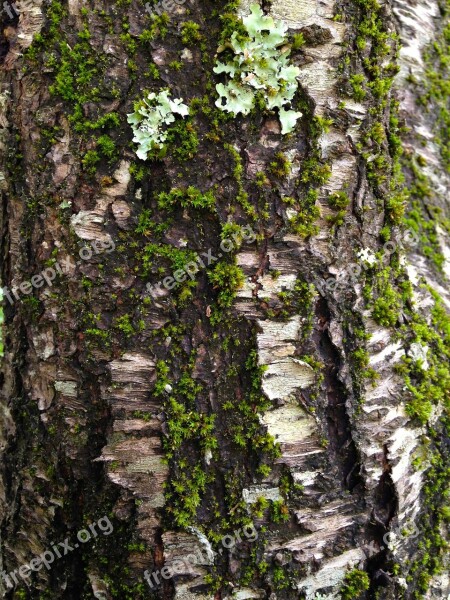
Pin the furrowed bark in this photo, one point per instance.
(278, 429)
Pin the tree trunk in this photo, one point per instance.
(274, 422)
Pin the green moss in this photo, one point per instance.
(100, 337)
(242, 423)
(361, 358)
(429, 386)
(231, 23)
(387, 306)
(298, 41)
(177, 257)
(190, 197)
(338, 219)
(158, 28)
(125, 325)
(357, 83)
(303, 223)
(279, 578)
(90, 161)
(176, 65)
(184, 424)
(281, 166)
(423, 216)
(355, 583)
(153, 72)
(187, 428)
(314, 171)
(279, 512)
(228, 278)
(190, 33)
(238, 173)
(299, 301)
(338, 200)
(182, 140)
(106, 146)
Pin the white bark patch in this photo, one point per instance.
(269, 285)
(331, 574)
(246, 594)
(44, 343)
(188, 554)
(305, 478)
(296, 432)
(137, 464)
(286, 376)
(67, 388)
(393, 352)
(418, 28)
(402, 448)
(252, 494)
(276, 345)
(61, 156)
(89, 224)
(289, 424)
(131, 367)
(134, 454)
(321, 527)
(275, 335)
(31, 21)
(122, 212)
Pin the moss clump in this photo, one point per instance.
(189, 197)
(125, 325)
(387, 306)
(228, 278)
(190, 33)
(338, 200)
(238, 173)
(158, 28)
(298, 41)
(355, 583)
(178, 257)
(281, 166)
(302, 223)
(357, 84)
(379, 291)
(182, 140)
(279, 512)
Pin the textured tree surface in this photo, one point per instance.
(298, 385)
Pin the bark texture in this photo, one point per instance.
(291, 399)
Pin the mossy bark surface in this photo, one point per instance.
(293, 393)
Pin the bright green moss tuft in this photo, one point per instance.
(355, 583)
(228, 278)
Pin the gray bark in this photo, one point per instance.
(85, 425)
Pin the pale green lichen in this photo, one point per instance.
(260, 66)
(150, 117)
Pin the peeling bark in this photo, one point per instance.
(185, 420)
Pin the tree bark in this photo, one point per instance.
(302, 411)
